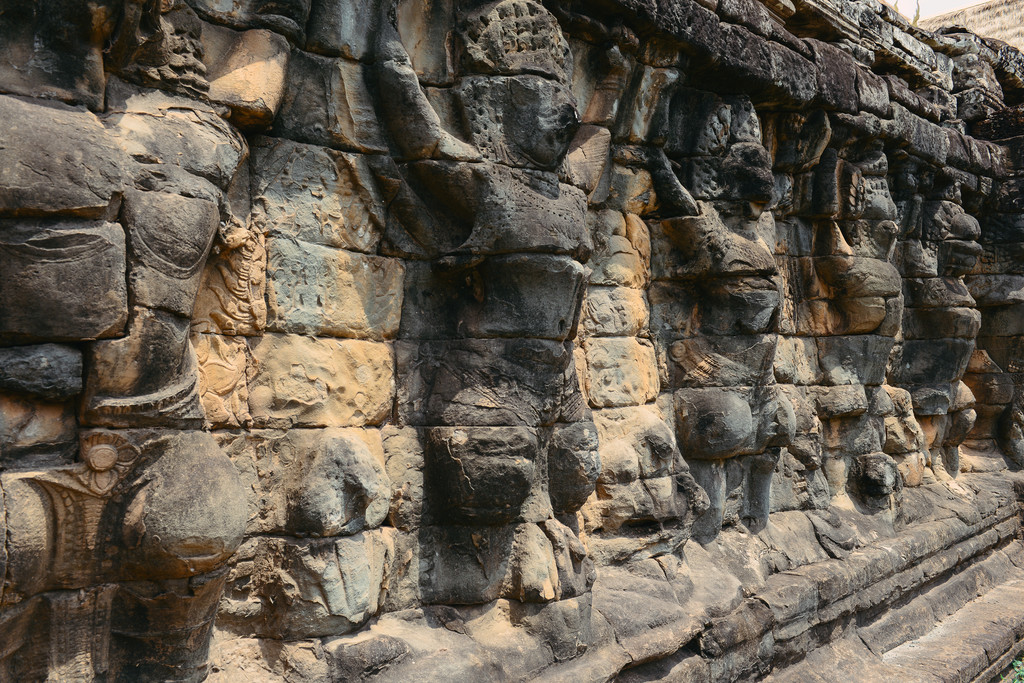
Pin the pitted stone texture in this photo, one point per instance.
(311, 482)
(300, 381)
(314, 194)
(331, 292)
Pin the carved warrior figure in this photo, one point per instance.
(715, 302)
(114, 564)
(941, 321)
(511, 449)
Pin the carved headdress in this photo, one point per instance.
(513, 37)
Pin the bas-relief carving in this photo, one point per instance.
(716, 302)
(115, 563)
(635, 314)
(509, 444)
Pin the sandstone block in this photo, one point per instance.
(719, 423)
(246, 71)
(996, 290)
(931, 361)
(484, 475)
(486, 382)
(513, 209)
(223, 391)
(300, 381)
(469, 564)
(182, 529)
(329, 103)
(614, 312)
(404, 462)
(169, 238)
(316, 195)
(343, 27)
(854, 359)
(49, 371)
(588, 156)
(324, 291)
(938, 323)
(573, 465)
(39, 175)
(61, 281)
(312, 482)
(31, 428)
(523, 295)
(742, 360)
(620, 372)
(622, 250)
(290, 588)
(991, 388)
(796, 361)
(286, 18)
(54, 54)
(843, 436)
(167, 134)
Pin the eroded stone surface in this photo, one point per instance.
(506, 341)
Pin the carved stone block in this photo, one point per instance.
(62, 281)
(302, 381)
(620, 372)
(246, 71)
(314, 194)
(329, 104)
(312, 482)
(86, 184)
(332, 292)
(282, 587)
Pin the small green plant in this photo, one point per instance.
(1016, 674)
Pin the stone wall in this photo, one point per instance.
(607, 340)
(998, 19)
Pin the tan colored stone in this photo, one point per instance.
(222, 384)
(796, 361)
(232, 293)
(300, 381)
(631, 190)
(332, 292)
(622, 250)
(27, 424)
(425, 32)
(314, 194)
(282, 469)
(614, 312)
(246, 71)
(588, 156)
(403, 451)
(620, 372)
(911, 466)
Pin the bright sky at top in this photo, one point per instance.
(930, 8)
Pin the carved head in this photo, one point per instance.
(518, 104)
(954, 234)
